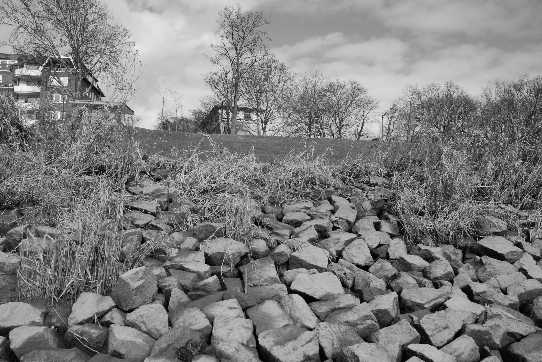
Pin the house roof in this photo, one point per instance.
(116, 106)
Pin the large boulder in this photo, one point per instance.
(463, 348)
(529, 349)
(26, 339)
(441, 327)
(385, 307)
(323, 308)
(501, 248)
(89, 337)
(89, 306)
(16, 314)
(134, 288)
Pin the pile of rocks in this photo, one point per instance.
(334, 282)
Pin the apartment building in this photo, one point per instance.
(54, 83)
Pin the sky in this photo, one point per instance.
(385, 45)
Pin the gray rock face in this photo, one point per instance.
(223, 251)
(268, 315)
(529, 349)
(358, 253)
(324, 307)
(334, 337)
(441, 327)
(295, 218)
(57, 355)
(528, 265)
(194, 319)
(317, 286)
(526, 291)
(309, 257)
(17, 314)
(299, 311)
(385, 307)
(233, 339)
(260, 272)
(365, 352)
(150, 318)
(488, 225)
(424, 298)
(463, 304)
(412, 263)
(463, 348)
(359, 317)
(336, 242)
(492, 268)
(89, 306)
(375, 238)
(88, 337)
(368, 285)
(500, 248)
(229, 308)
(126, 342)
(134, 288)
(484, 294)
(26, 339)
(397, 248)
(289, 343)
(429, 353)
(395, 338)
(439, 270)
(189, 261)
(383, 269)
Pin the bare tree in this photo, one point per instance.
(84, 31)
(263, 89)
(242, 41)
(348, 107)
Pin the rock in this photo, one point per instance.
(256, 295)
(9, 263)
(289, 275)
(289, 343)
(501, 248)
(89, 306)
(317, 286)
(489, 225)
(366, 223)
(358, 253)
(529, 349)
(429, 353)
(375, 238)
(230, 332)
(403, 281)
(395, 337)
(492, 268)
(189, 261)
(454, 256)
(126, 342)
(412, 263)
(206, 358)
(485, 294)
(385, 307)
(268, 315)
(441, 327)
(228, 308)
(365, 352)
(258, 248)
(503, 281)
(228, 351)
(359, 317)
(56, 355)
(536, 310)
(138, 219)
(309, 257)
(260, 272)
(528, 265)
(526, 291)
(150, 318)
(397, 248)
(194, 319)
(178, 343)
(87, 337)
(463, 348)
(368, 285)
(17, 314)
(336, 242)
(295, 218)
(334, 337)
(114, 316)
(439, 270)
(383, 269)
(206, 230)
(134, 288)
(299, 311)
(223, 251)
(26, 339)
(307, 234)
(281, 254)
(414, 299)
(345, 271)
(324, 307)
(145, 206)
(463, 304)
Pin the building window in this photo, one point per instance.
(57, 98)
(59, 81)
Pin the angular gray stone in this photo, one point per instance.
(58, 355)
(375, 238)
(126, 342)
(336, 242)
(395, 337)
(368, 285)
(403, 281)
(439, 270)
(463, 348)
(414, 299)
(385, 307)
(526, 291)
(411, 262)
(256, 295)
(501, 248)
(89, 306)
(309, 257)
(463, 304)
(529, 349)
(134, 288)
(358, 253)
(528, 265)
(150, 318)
(88, 337)
(366, 223)
(334, 337)
(317, 286)
(194, 319)
(178, 343)
(260, 272)
(383, 269)
(281, 254)
(17, 314)
(492, 268)
(229, 308)
(441, 327)
(326, 306)
(189, 261)
(289, 343)
(295, 218)
(268, 315)
(359, 317)
(26, 339)
(114, 316)
(233, 331)
(223, 251)
(365, 352)
(299, 311)
(429, 353)
(397, 248)
(484, 294)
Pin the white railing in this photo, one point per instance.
(25, 88)
(19, 72)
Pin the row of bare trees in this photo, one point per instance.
(284, 103)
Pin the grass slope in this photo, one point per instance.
(266, 149)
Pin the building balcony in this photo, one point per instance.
(26, 72)
(26, 89)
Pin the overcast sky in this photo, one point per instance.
(386, 45)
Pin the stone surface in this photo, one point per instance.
(260, 272)
(324, 307)
(150, 318)
(134, 288)
(336, 242)
(334, 337)
(88, 337)
(411, 262)
(414, 299)
(484, 294)
(359, 317)
(114, 316)
(268, 315)
(368, 286)
(126, 342)
(395, 337)
(529, 349)
(309, 257)
(384, 270)
(358, 253)
(299, 311)
(441, 327)
(429, 353)
(385, 307)
(439, 270)
(289, 343)
(189, 261)
(463, 304)
(365, 352)
(26, 339)
(233, 331)
(89, 306)
(16, 314)
(229, 308)
(493, 267)
(178, 343)
(317, 286)
(526, 291)
(501, 248)
(397, 248)
(194, 319)
(58, 355)
(223, 251)
(463, 348)
(375, 238)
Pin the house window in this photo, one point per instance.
(57, 98)
(59, 81)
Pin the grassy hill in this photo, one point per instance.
(265, 148)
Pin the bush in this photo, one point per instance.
(13, 133)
